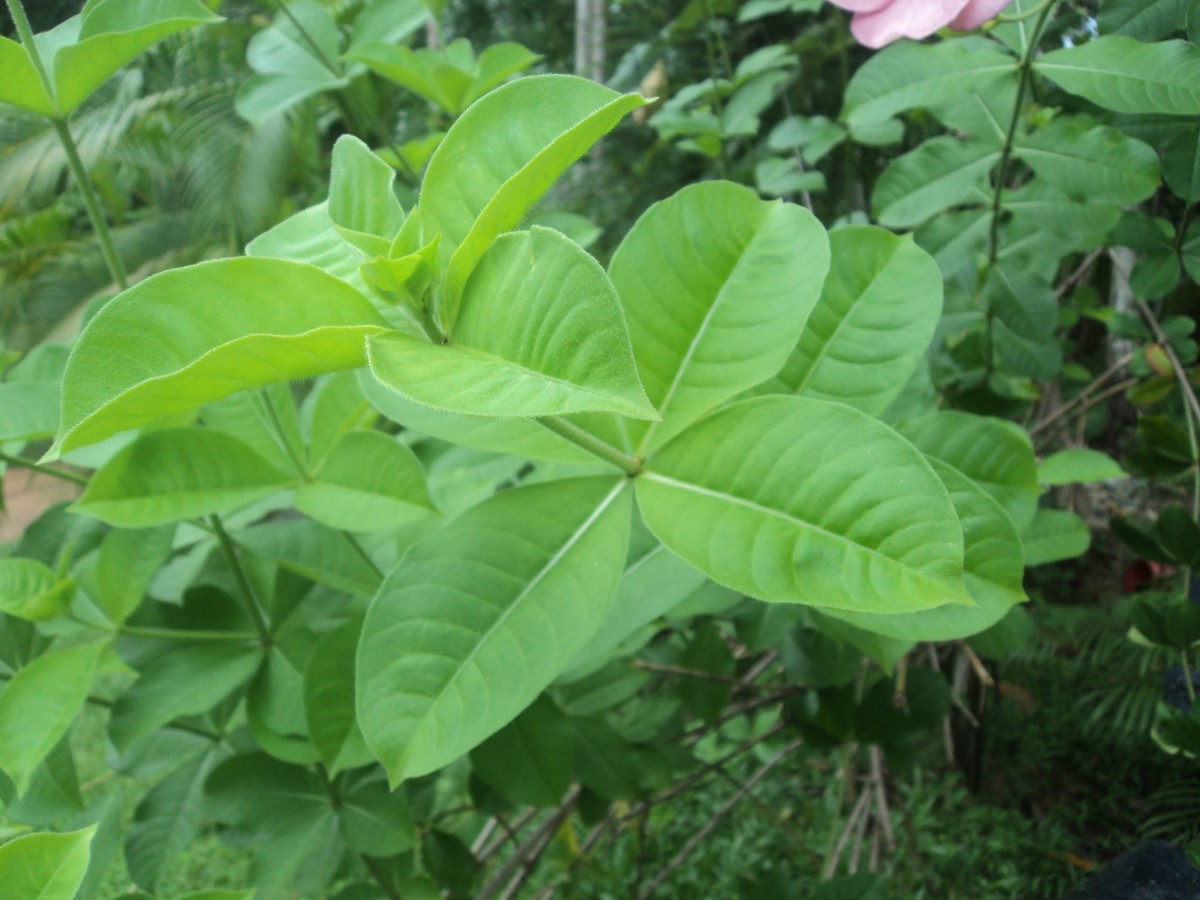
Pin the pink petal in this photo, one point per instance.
(976, 12)
(904, 18)
(857, 6)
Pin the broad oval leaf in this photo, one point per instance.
(716, 285)
(367, 482)
(541, 333)
(45, 866)
(189, 336)
(993, 570)
(1119, 73)
(877, 313)
(40, 702)
(176, 473)
(1078, 465)
(479, 619)
(805, 501)
(1054, 535)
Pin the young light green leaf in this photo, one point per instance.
(129, 559)
(329, 700)
(803, 501)
(362, 204)
(28, 410)
(309, 237)
(907, 74)
(1092, 162)
(993, 567)
(40, 702)
(45, 866)
(877, 313)
(541, 333)
(1078, 465)
(367, 482)
(187, 681)
(1054, 535)
(310, 549)
(29, 590)
(716, 286)
(113, 33)
(940, 173)
(1119, 73)
(177, 473)
(477, 620)
(21, 85)
(193, 335)
(995, 454)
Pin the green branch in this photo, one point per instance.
(630, 465)
(249, 600)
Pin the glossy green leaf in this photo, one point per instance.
(314, 551)
(40, 702)
(907, 74)
(995, 454)
(528, 762)
(329, 700)
(45, 866)
(993, 568)
(28, 410)
(1119, 73)
(1078, 466)
(541, 333)
(188, 336)
(29, 590)
(367, 482)
(534, 129)
(113, 33)
(187, 681)
(940, 173)
(798, 500)
(877, 313)
(362, 204)
(716, 286)
(478, 619)
(1054, 535)
(1092, 162)
(178, 473)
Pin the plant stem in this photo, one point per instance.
(630, 465)
(249, 601)
(1028, 14)
(178, 634)
(25, 33)
(45, 470)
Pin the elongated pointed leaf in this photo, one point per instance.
(1092, 162)
(178, 473)
(367, 482)
(716, 286)
(362, 205)
(1054, 535)
(21, 85)
(329, 700)
(45, 866)
(995, 454)
(877, 313)
(541, 333)
(529, 761)
(309, 237)
(112, 34)
(129, 559)
(1078, 465)
(804, 501)
(993, 569)
(533, 130)
(908, 74)
(477, 620)
(311, 549)
(39, 703)
(1124, 75)
(190, 336)
(29, 590)
(940, 173)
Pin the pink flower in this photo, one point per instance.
(879, 22)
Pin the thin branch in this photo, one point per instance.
(667, 669)
(245, 591)
(44, 470)
(531, 847)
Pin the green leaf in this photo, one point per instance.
(45, 866)
(21, 85)
(477, 620)
(940, 173)
(500, 157)
(113, 33)
(1025, 316)
(909, 74)
(1092, 163)
(187, 681)
(716, 285)
(375, 821)
(1124, 75)
(314, 551)
(329, 700)
(129, 559)
(1179, 535)
(28, 410)
(309, 237)
(993, 565)
(798, 500)
(877, 313)
(1054, 535)
(1078, 466)
(362, 203)
(541, 333)
(995, 454)
(1146, 20)
(29, 590)
(367, 482)
(40, 702)
(189, 336)
(528, 762)
(178, 473)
